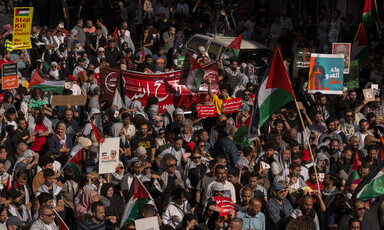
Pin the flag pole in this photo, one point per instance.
(310, 149)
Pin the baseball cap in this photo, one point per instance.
(277, 186)
(14, 220)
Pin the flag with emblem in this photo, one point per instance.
(192, 74)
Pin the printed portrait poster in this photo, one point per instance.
(351, 80)
(345, 50)
(326, 73)
(109, 155)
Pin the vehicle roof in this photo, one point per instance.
(225, 41)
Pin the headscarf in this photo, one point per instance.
(119, 176)
(105, 188)
(139, 110)
(281, 161)
(252, 77)
(85, 203)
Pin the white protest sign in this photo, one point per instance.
(109, 155)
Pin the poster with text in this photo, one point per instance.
(224, 204)
(109, 155)
(22, 23)
(345, 50)
(326, 73)
(301, 60)
(351, 80)
(9, 76)
(232, 105)
(206, 111)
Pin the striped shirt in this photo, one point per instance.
(91, 225)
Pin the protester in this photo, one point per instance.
(96, 71)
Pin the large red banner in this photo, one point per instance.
(165, 86)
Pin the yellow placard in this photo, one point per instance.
(22, 24)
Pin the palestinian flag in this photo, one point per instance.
(99, 136)
(37, 81)
(367, 13)
(115, 35)
(238, 137)
(192, 74)
(75, 162)
(232, 51)
(139, 196)
(360, 46)
(372, 185)
(118, 98)
(59, 222)
(22, 12)
(354, 171)
(381, 149)
(275, 91)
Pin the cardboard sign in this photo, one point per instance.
(225, 205)
(368, 95)
(9, 76)
(206, 111)
(109, 155)
(149, 223)
(232, 105)
(345, 50)
(22, 24)
(64, 100)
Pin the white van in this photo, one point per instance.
(250, 50)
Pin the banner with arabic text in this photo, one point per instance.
(164, 86)
(326, 73)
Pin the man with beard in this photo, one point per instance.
(330, 182)
(253, 218)
(354, 144)
(21, 134)
(358, 212)
(371, 157)
(344, 162)
(330, 132)
(97, 221)
(278, 208)
(363, 132)
(17, 208)
(246, 196)
(306, 209)
(332, 152)
(71, 124)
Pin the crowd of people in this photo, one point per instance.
(280, 180)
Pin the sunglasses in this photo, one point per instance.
(220, 220)
(50, 215)
(158, 121)
(146, 168)
(121, 167)
(162, 133)
(172, 165)
(202, 146)
(361, 209)
(196, 157)
(349, 116)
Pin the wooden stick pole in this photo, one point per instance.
(310, 149)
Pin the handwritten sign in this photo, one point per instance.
(109, 155)
(232, 105)
(64, 100)
(224, 204)
(9, 76)
(206, 111)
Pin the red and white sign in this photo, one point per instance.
(224, 204)
(206, 111)
(165, 86)
(232, 105)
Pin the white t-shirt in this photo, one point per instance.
(229, 190)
